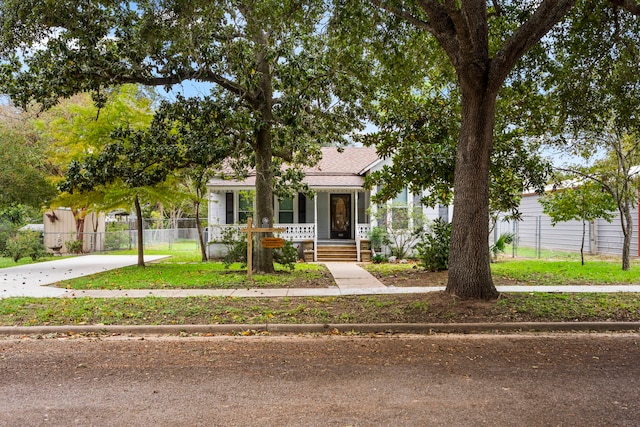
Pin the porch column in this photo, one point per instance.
(373, 219)
(356, 230)
(410, 208)
(315, 227)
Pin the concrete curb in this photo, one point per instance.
(410, 328)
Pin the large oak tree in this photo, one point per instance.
(484, 42)
(270, 58)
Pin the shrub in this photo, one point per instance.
(7, 230)
(379, 259)
(500, 245)
(116, 237)
(25, 244)
(74, 246)
(433, 248)
(287, 255)
(236, 244)
(378, 237)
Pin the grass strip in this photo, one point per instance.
(568, 272)
(433, 307)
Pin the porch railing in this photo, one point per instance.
(363, 232)
(298, 232)
(294, 232)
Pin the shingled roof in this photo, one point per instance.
(335, 169)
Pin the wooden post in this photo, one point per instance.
(249, 229)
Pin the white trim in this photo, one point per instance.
(371, 166)
(315, 224)
(355, 225)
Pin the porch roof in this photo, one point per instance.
(334, 170)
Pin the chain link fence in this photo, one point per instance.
(535, 237)
(123, 235)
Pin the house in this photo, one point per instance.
(333, 225)
(534, 230)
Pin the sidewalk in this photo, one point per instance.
(31, 280)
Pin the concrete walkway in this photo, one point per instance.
(31, 281)
(349, 275)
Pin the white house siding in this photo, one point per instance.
(434, 213)
(536, 228)
(323, 215)
(217, 205)
(310, 210)
(610, 238)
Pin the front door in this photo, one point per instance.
(340, 216)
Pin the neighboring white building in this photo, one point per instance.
(535, 231)
(333, 224)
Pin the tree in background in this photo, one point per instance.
(24, 170)
(128, 171)
(597, 113)
(585, 202)
(77, 128)
(618, 175)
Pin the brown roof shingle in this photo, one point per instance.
(335, 169)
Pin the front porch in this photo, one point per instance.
(322, 227)
(310, 247)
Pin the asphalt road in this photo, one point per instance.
(329, 380)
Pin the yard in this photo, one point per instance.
(183, 271)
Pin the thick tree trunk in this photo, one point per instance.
(263, 104)
(140, 232)
(469, 259)
(263, 262)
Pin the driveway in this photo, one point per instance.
(31, 280)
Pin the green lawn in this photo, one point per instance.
(9, 262)
(544, 272)
(524, 252)
(193, 275)
(183, 271)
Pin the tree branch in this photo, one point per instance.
(205, 76)
(630, 6)
(497, 9)
(404, 14)
(548, 14)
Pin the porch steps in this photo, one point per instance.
(337, 253)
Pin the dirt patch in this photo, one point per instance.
(419, 277)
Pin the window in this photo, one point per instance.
(401, 198)
(245, 206)
(302, 208)
(400, 211)
(229, 208)
(285, 211)
(400, 216)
